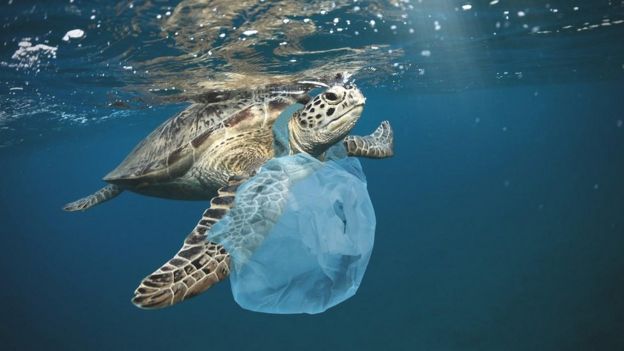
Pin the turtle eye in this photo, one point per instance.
(331, 96)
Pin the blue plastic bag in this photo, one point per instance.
(300, 235)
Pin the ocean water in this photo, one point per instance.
(500, 219)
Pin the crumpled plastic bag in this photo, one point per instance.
(300, 235)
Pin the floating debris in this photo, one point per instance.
(74, 34)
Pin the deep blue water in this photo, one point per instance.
(500, 220)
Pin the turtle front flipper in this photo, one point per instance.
(106, 193)
(197, 266)
(380, 144)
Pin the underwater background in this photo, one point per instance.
(500, 219)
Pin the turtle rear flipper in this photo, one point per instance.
(380, 144)
(197, 266)
(106, 193)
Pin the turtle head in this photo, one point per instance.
(325, 119)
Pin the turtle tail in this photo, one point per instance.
(106, 193)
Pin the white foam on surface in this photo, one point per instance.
(29, 55)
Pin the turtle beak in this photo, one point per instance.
(356, 98)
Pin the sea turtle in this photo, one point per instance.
(208, 150)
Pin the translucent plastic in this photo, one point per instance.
(300, 234)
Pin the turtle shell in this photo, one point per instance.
(170, 150)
